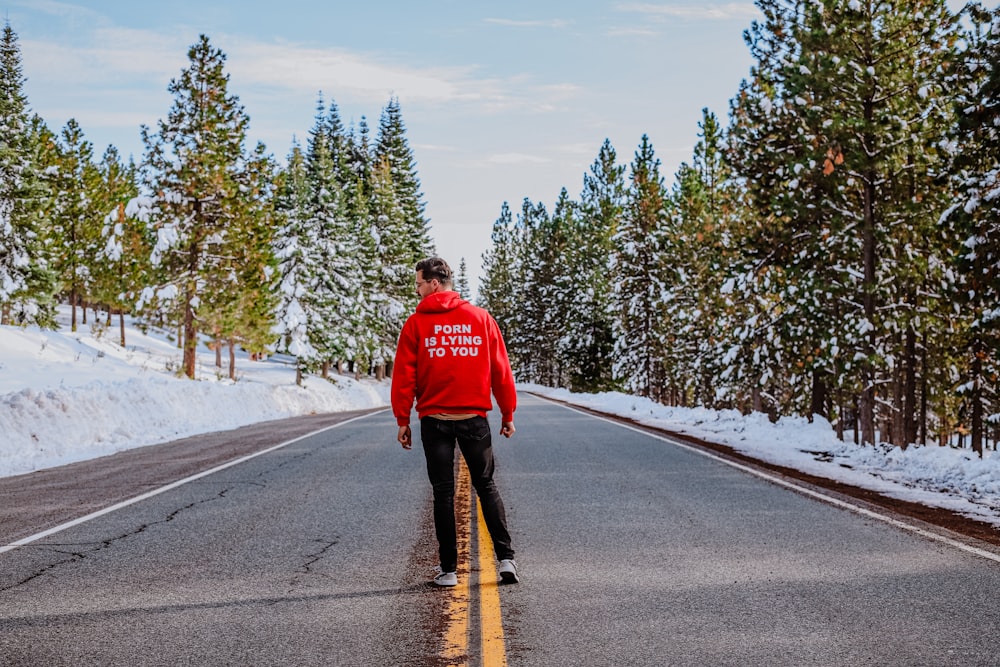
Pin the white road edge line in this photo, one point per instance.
(800, 489)
(172, 485)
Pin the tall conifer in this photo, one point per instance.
(975, 149)
(197, 171)
(639, 337)
(26, 282)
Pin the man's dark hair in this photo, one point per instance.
(435, 268)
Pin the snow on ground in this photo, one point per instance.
(954, 479)
(68, 396)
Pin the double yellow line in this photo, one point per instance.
(461, 603)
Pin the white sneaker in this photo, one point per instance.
(508, 571)
(443, 578)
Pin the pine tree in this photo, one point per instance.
(975, 149)
(699, 253)
(462, 281)
(242, 305)
(26, 282)
(639, 336)
(125, 244)
(532, 349)
(392, 149)
(296, 249)
(784, 295)
(547, 306)
(334, 212)
(401, 227)
(590, 348)
(196, 168)
(500, 272)
(74, 219)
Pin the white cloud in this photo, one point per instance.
(632, 32)
(550, 23)
(57, 9)
(730, 10)
(111, 57)
(366, 77)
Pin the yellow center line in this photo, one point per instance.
(494, 652)
(459, 610)
(456, 640)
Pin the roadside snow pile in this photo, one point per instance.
(954, 479)
(66, 397)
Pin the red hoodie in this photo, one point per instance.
(450, 356)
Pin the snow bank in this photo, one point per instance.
(67, 397)
(953, 479)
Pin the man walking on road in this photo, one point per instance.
(449, 358)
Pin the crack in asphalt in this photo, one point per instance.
(306, 569)
(319, 555)
(77, 556)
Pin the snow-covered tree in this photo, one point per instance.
(640, 338)
(392, 152)
(74, 218)
(501, 275)
(296, 249)
(698, 249)
(589, 341)
(199, 177)
(26, 282)
(975, 149)
(462, 280)
(122, 267)
(341, 199)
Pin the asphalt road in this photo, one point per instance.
(632, 551)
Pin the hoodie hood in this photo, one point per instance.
(440, 302)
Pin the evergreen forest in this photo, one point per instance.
(831, 250)
(210, 237)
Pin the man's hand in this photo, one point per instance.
(405, 437)
(507, 429)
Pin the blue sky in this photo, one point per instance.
(501, 101)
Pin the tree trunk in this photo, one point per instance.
(232, 359)
(867, 404)
(896, 416)
(976, 397)
(923, 389)
(121, 324)
(190, 335)
(217, 344)
(326, 370)
(910, 388)
(818, 402)
(298, 374)
(72, 308)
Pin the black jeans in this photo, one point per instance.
(473, 437)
